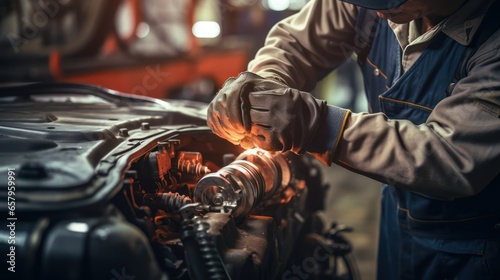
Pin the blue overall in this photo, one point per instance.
(422, 237)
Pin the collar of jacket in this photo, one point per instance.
(463, 24)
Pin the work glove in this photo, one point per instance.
(253, 111)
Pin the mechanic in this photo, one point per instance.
(432, 137)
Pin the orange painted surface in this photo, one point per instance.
(156, 80)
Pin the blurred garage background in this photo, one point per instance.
(180, 49)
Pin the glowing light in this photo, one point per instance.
(278, 5)
(206, 29)
(142, 30)
(78, 227)
(124, 26)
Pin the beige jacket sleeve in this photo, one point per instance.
(456, 153)
(303, 48)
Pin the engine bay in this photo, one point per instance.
(115, 186)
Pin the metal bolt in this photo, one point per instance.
(163, 146)
(123, 132)
(173, 143)
(145, 126)
(218, 199)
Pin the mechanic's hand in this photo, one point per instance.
(255, 111)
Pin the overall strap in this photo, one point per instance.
(366, 28)
(488, 26)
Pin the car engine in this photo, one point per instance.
(103, 185)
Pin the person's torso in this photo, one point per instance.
(412, 95)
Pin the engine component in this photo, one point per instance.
(91, 203)
(191, 162)
(275, 169)
(169, 202)
(201, 250)
(241, 185)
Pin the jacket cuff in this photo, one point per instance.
(328, 134)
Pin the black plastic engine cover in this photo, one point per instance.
(69, 144)
(82, 159)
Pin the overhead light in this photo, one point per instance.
(278, 5)
(206, 29)
(142, 30)
(124, 26)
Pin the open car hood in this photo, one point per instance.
(70, 142)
